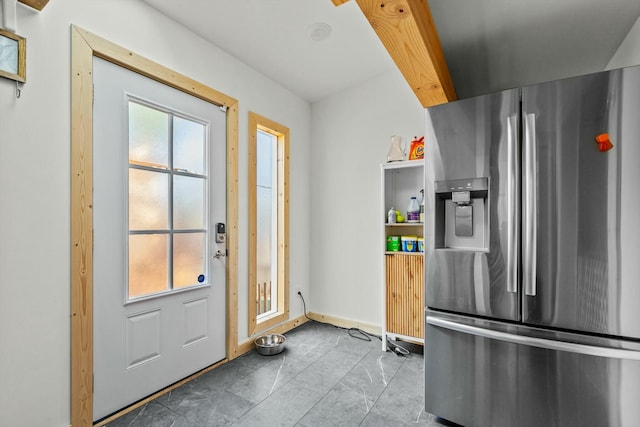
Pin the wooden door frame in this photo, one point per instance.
(84, 46)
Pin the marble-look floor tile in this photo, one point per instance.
(185, 398)
(409, 379)
(343, 405)
(356, 345)
(150, 415)
(373, 372)
(405, 412)
(305, 331)
(283, 408)
(264, 381)
(224, 376)
(374, 419)
(323, 378)
(327, 371)
(403, 399)
(416, 362)
(204, 418)
(315, 347)
(223, 408)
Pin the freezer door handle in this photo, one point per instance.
(530, 232)
(611, 353)
(512, 203)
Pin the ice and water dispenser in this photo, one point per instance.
(461, 214)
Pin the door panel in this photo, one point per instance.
(142, 345)
(587, 256)
(465, 140)
(469, 380)
(475, 380)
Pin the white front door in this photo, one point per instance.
(159, 191)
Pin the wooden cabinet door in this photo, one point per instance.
(405, 295)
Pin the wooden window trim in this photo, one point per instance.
(257, 122)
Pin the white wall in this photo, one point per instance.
(628, 52)
(35, 186)
(350, 139)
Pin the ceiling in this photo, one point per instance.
(489, 45)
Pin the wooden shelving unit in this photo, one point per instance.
(403, 286)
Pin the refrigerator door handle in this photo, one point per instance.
(530, 232)
(512, 203)
(591, 350)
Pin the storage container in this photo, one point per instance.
(393, 243)
(413, 211)
(409, 243)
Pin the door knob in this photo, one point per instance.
(219, 254)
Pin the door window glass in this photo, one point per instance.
(148, 135)
(148, 200)
(188, 258)
(188, 145)
(168, 201)
(188, 202)
(148, 268)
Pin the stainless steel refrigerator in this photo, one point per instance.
(532, 255)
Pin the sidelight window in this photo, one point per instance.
(268, 223)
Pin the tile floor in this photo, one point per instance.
(323, 378)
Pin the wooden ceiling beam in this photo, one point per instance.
(407, 31)
(36, 4)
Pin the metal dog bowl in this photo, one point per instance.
(270, 344)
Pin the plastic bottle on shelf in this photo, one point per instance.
(391, 216)
(413, 211)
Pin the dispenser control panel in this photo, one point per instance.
(462, 218)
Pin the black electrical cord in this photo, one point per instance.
(364, 336)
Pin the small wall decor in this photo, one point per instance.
(13, 56)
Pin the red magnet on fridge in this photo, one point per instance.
(604, 143)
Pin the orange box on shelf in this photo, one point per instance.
(416, 150)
